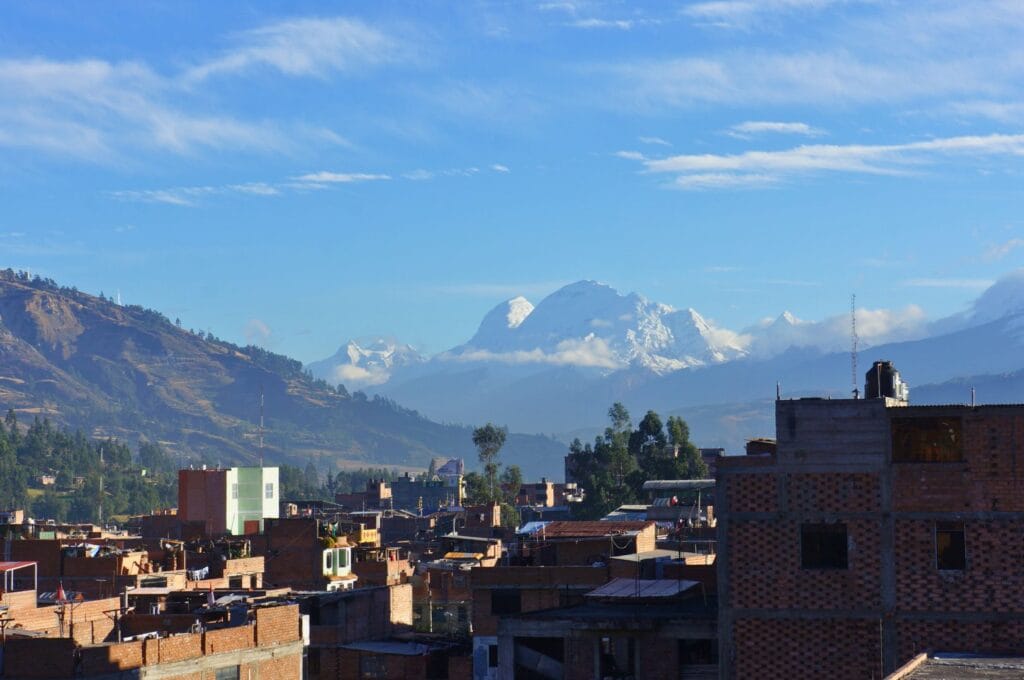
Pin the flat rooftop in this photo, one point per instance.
(957, 666)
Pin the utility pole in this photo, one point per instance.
(853, 345)
(100, 509)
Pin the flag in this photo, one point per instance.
(61, 597)
(209, 596)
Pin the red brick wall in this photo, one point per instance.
(833, 492)
(981, 637)
(275, 625)
(752, 492)
(774, 649)
(765, 566)
(111, 658)
(992, 582)
(991, 477)
(39, 658)
(174, 648)
(227, 639)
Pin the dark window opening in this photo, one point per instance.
(927, 440)
(235, 582)
(950, 546)
(505, 601)
(698, 652)
(618, 658)
(823, 546)
(492, 656)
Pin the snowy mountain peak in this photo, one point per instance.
(591, 324)
(1004, 297)
(518, 309)
(364, 362)
(787, 318)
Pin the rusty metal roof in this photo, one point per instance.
(591, 529)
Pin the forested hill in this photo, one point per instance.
(132, 374)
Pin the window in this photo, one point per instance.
(227, 673)
(823, 546)
(269, 491)
(698, 652)
(927, 440)
(950, 546)
(234, 492)
(492, 656)
(505, 601)
(235, 582)
(314, 661)
(372, 667)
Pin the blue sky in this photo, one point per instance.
(296, 174)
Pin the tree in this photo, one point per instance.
(488, 441)
(511, 483)
(476, 488)
(619, 417)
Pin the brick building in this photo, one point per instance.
(873, 532)
(504, 591)
(628, 629)
(265, 645)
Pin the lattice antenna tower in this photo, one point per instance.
(853, 345)
(261, 425)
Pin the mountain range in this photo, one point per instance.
(127, 372)
(557, 366)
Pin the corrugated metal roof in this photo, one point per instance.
(678, 484)
(633, 588)
(592, 529)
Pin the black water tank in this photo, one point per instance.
(883, 380)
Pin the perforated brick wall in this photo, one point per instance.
(753, 492)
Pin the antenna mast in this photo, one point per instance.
(853, 345)
(261, 425)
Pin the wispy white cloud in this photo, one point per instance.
(357, 376)
(976, 284)
(94, 109)
(190, 196)
(742, 13)
(1001, 250)
(1001, 112)
(497, 290)
(756, 127)
(419, 175)
(658, 141)
(593, 22)
(590, 352)
(721, 180)
(327, 177)
(756, 168)
(257, 332)
(721, 269)
(304, 47)
(874, 327)
(498, 167)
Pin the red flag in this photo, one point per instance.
(61, 597)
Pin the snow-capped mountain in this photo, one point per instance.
(364, 363)
(556, 367)
(590, 324)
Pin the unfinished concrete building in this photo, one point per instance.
(874, 531)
